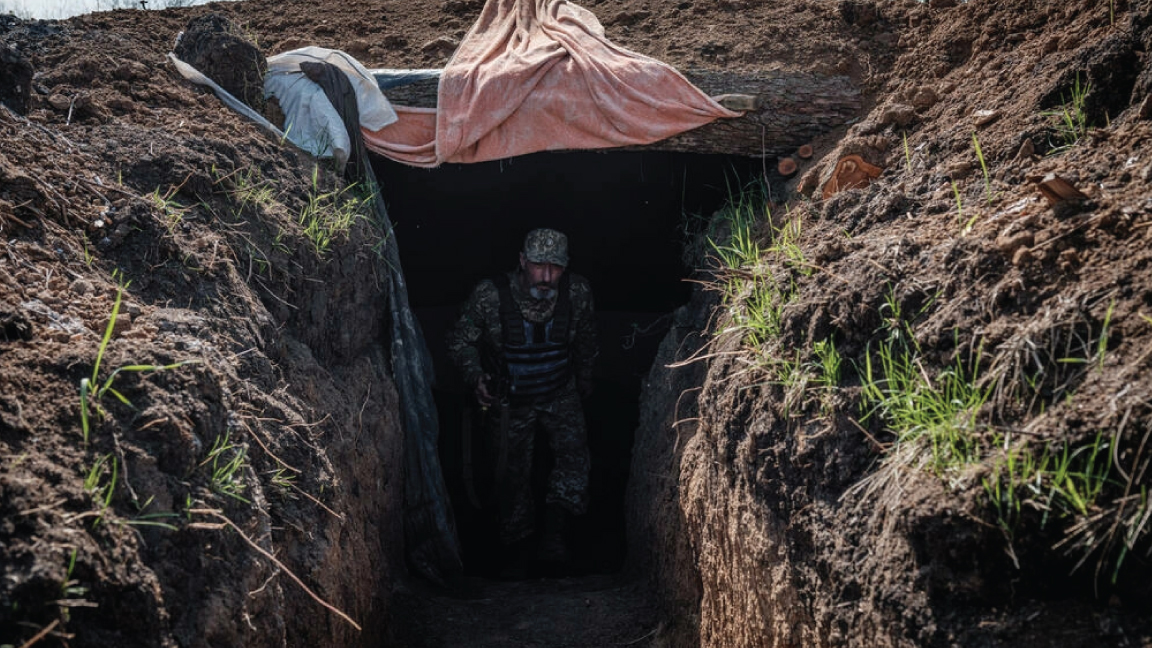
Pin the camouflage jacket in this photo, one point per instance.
(477, 339)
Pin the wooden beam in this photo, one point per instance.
(789, 109)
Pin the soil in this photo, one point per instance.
(597, 610)
(755, 519)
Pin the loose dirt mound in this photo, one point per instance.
(753, 522)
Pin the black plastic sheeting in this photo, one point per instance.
(432, 544)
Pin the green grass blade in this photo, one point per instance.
(84, 408)
(120, 397)
(107, 334)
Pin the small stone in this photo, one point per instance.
(959, 170)
(1010, 243)
(985, 117)
(1026, 151)
(898, 115)
(123, 324)
(59, 101)
(441, 44)
(924, 99)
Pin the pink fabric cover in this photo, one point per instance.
(539, 75)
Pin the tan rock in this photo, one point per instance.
(1010, 243)
(1022, 256)
(59, 101)
(898, 115)
(1027, 150)
(924, 98)
(959, 169)
(985, 117)
(443, 44)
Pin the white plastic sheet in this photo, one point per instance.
(311, 122)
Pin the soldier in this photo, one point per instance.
(525, 343)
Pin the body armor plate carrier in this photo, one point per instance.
(536, 355)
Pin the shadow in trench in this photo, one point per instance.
(624, 214)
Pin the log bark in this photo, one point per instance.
(795, 109)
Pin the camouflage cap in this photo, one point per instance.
(546, 246)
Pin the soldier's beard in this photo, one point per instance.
(542, 291)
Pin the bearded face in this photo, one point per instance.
(541, 279)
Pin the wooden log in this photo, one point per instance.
(794, 108)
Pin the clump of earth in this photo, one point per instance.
(145, 224)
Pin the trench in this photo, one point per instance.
(625, 213)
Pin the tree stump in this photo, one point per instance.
(794, 108)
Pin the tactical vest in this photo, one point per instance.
(535, 353)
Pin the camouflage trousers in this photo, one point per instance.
(562, 421)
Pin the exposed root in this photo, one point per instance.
(225, 522)
(1044, 358)
(43, 633)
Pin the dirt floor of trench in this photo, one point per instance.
(599, 610)
(746, 521)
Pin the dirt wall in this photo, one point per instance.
(773, 510)
(237, 440)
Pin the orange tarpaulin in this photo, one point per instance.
(539, 75)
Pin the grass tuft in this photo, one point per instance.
(1071, 119)
(102, 490)
(329, 215)
(91, 390)
(940, 411)
(227, 461)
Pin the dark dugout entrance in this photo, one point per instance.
(624, 213)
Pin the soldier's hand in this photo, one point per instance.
(483, 396)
